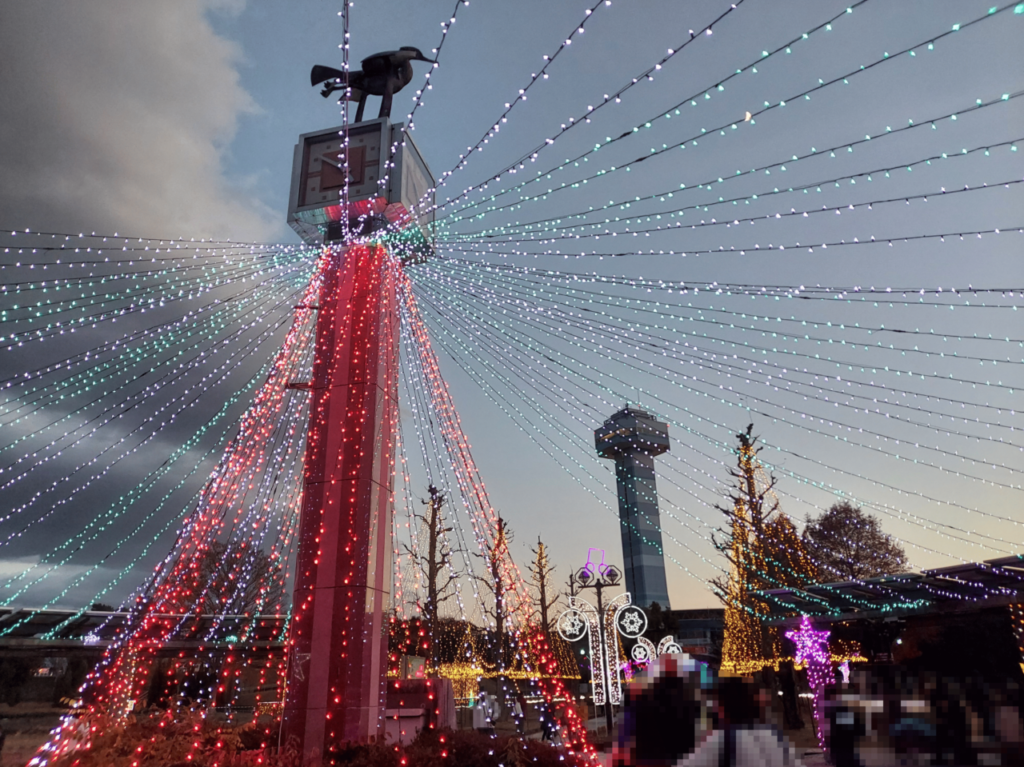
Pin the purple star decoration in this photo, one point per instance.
(812, 650)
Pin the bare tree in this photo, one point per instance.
(848, 544)
(764, 552)
(759, 541)
(541, 569)
(238, 581)
(436, 567)
(496, 553)
(752, 504)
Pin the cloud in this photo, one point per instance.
(116, 116)
(14, 566)
(59, 584)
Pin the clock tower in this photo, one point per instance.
(390, 186)
(365, 195)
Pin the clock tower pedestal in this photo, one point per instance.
(338, 638)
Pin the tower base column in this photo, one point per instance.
(338, 640)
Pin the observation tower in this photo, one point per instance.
(633, 437)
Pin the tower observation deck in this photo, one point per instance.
(633, 437)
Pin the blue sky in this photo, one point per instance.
(179, 120)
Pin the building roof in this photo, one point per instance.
(991, 583)
(99, 627)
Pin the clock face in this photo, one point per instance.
(323, 174)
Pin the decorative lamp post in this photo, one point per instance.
(812, 650)
(601, 624)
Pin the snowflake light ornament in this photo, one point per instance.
(572, 625)
(631, 621)
(641, 652)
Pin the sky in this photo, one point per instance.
(178, 120)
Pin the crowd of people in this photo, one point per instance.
(889, 715)
(680, 714)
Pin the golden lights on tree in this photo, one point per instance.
(764, 552)
(436, 569)
(496, 554)
(541, 570)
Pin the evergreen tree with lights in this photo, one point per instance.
(789, 565)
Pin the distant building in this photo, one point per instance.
(699, 632)
(632, 437)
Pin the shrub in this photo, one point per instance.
(155, 739)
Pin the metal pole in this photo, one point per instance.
(606, 671)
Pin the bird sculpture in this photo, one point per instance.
(382, 74)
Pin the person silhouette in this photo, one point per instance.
(742, 738)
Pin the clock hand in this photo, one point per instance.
(331, 176)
